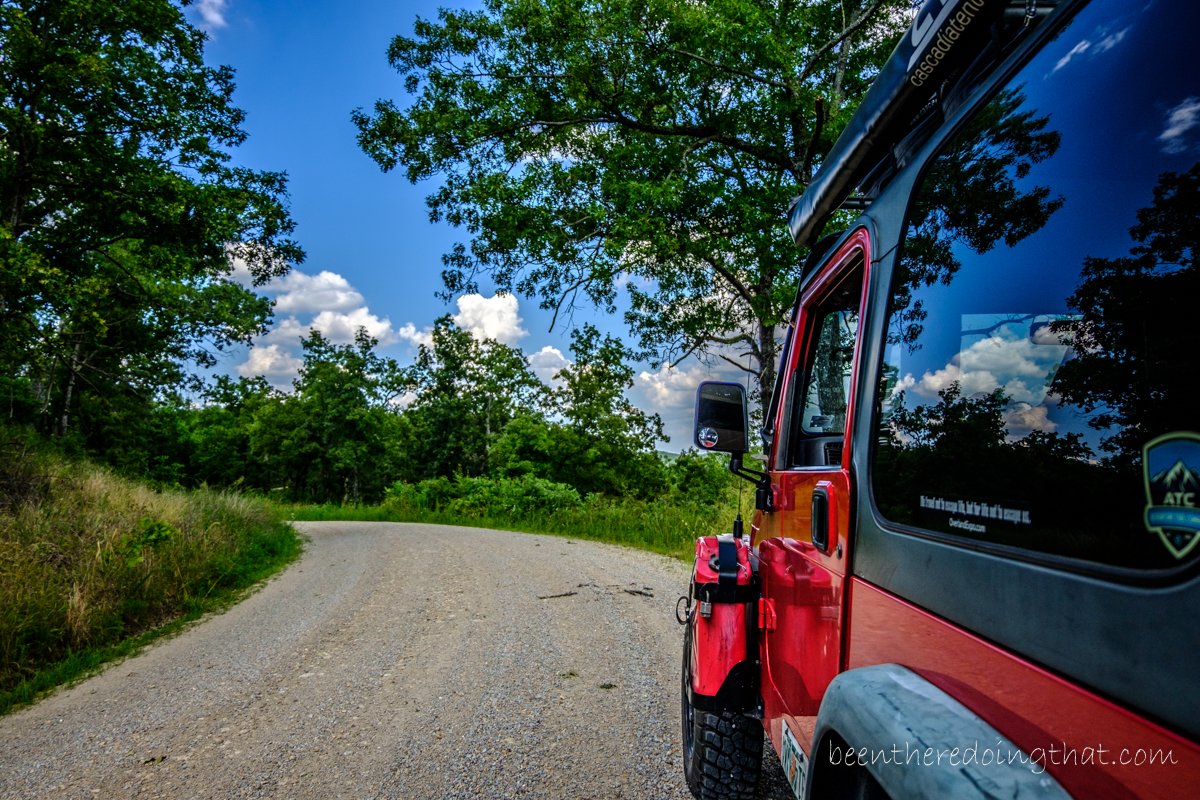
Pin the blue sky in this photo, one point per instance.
(373, 256)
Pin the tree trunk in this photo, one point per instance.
(843, 61)
(66, 406)
(766, 365)
(43, 390)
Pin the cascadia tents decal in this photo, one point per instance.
(1171, 466)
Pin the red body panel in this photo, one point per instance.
(806, 586)
(719, 641)
(1032, 707)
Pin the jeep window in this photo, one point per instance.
(1040, 380)
(821, 400)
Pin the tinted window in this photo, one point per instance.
(829, 377)
(1040, 380)
(820, 400)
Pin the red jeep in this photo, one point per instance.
(973, 568)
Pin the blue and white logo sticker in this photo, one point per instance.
(1171, 466)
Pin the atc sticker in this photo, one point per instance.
(707, 437)
(794, 762)
(1171, 466)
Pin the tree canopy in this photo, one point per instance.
(121, 211)
(652, 143)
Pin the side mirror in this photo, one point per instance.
(722, 419)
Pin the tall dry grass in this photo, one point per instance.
(89, 559)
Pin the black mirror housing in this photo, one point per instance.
(722, 418)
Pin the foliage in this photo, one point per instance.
(700, 478)
(121, 212)
(467, 391)
(147, 534)
(600, 441)
(329, 437)
(479, 497)
(579, 142)
(1041, 468)
(974, 196)
(88, 560)
(659, 525)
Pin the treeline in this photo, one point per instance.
(122, 218)
(122, 222)
(356, 423)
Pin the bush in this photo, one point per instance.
(520, 497)
(702, 478)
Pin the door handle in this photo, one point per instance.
(824, 515)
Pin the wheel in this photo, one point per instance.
(722, 752)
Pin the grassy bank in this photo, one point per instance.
(93, 567)
(662, 526)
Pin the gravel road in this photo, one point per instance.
(391, 661)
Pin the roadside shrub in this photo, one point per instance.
(483, 497)
(700, 478)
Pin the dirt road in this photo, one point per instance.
(392, 661)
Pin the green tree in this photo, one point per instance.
(466, 392)
(120, 212)
(329, 439)
(700, 478)
(219, 433)
(580, 141)
(603, 443)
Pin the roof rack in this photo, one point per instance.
(946, 53)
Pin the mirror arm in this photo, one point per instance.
(735, 466)
(763, 495)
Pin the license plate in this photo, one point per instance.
(795, 763)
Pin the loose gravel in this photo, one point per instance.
(392, 661)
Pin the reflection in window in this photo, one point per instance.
(819, 399)
(1040, 333)
(829, 379)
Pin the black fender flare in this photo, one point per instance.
(886, 706)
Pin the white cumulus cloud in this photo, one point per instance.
(273, 363)
(325, 291)
(1021, 418)
(212, 13)
(409, 333)
(495, 317)
(325, 302)
(546, 363)
(340, 328)
(672, 386)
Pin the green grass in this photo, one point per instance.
(659, 526)
(94, 567)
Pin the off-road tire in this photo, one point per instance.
(722, 752)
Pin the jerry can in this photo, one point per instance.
(724, 596)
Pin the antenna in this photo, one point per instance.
(737, 523)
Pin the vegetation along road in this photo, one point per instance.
(392, 660)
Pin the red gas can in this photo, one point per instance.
(724, 594)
